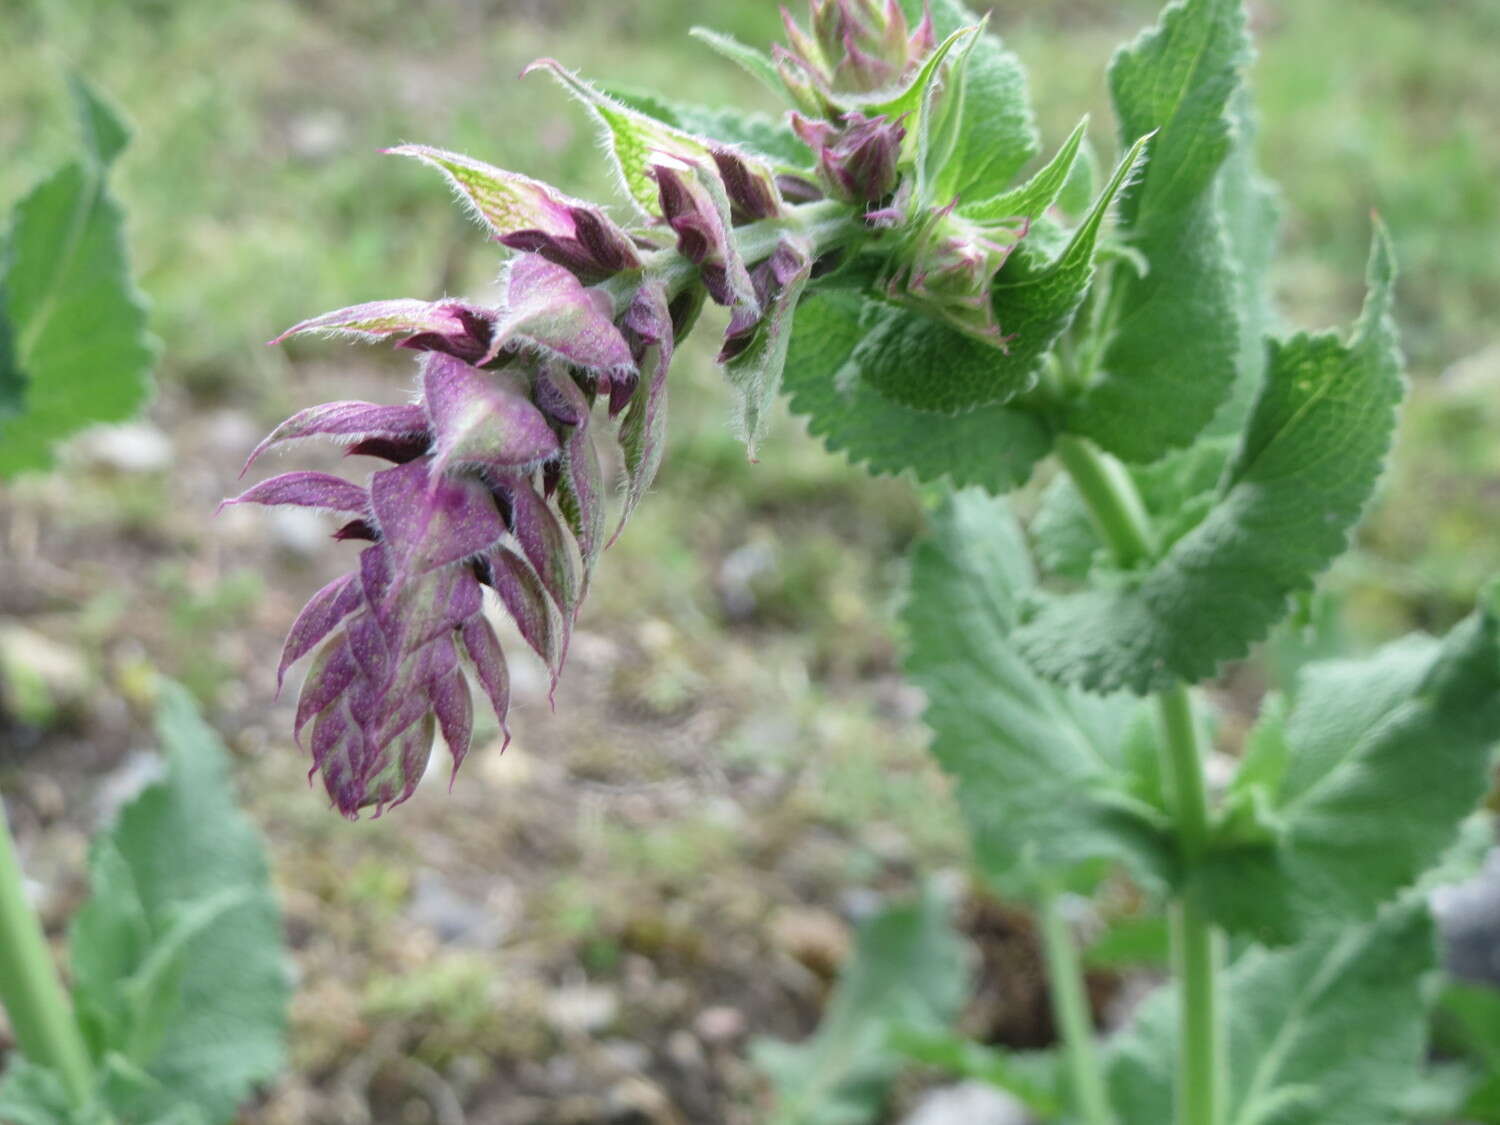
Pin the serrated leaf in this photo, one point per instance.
(998, 133)
(1249, 204)
(1174, 331)
(193, 932)
(1304, 472)
(1037, 194)
(907, 971)
(922, 363)
(77, 323)
(994, 447)
(1365, 783)
(1331, 1032)
(1039, 771)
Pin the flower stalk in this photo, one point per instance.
(1121, 517)
(30, 989)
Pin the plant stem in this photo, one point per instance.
(1070, 1007)
(1122, 520)
(30, 989)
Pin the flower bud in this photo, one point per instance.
(856, 47)
(857, 158)
(950, 267)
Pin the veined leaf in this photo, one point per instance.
(1173, 333)
(177, 954)
(1040, 771)
(907, 972)
(994, 447)
(1037, 194)
(922, 363)
(755, 132)
(998, 133)
(1304, 472)
(1330, 1032)
(1364, 785)
(76, 324)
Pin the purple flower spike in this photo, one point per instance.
(648, 325)
(306, 490)
(702, 229)
(544, 545)
(526, 600)
(528, 215)
(549, 313)
(857, 47)
(429, 521)
(328, 607)
(751, 186)
(354, 422)
(484, 419)
(449, 326)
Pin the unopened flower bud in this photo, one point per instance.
(950, 271)
(857, 157)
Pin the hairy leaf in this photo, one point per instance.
(177, 954)
(756, 132)
(920, 362)
(1040, 770)
(1037, 194)
(77, 325)
(907, 972)
(1174, 329)
(1330, 1032)
(1304, 472)
(998, 131)
(1363, 786)
(994, 447)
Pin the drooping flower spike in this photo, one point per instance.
(492, 476)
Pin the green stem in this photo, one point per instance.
(1122, 520)
(1070, 1008)
(30, 990)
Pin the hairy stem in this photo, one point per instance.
(1070, 1008)
(1122, 520)
(30, 989)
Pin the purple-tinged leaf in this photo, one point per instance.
(528, 215)
(856, 158)
(392, 776)
(328, 607)
(750, 185)
(357, 530)
(333, 671)
(306, 490)
(429, 521)
(696, 207)
(454, 709)
(483, 419)
(490, 667)
(527, 603)
(756, 369)
(398, 451)
(548, 312)
(648, 327)
(580, 486)
(545, 545)
(442, 326)
(352, 421)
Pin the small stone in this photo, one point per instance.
(626, 1055)
(582, 1008)
(684, 1051)
(131, 447)
(41, 679)
(968, 1103)
(719, 1025)
(814, 937)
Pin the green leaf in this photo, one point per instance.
(994, 447)
(756, 372)
(105, 135)
(1249, 203)
(1331, 1032)
(1468, 1020)
(1037, 194)
(1040, 771)
(755, 63)
(33, 1095)
(1412, 729)
(998, 132)
(177, 955)
(907, 972)
(1297, 487)
(1173, 334)
(1034, 1077)
(76, 330)
(757, 132)
(922, 363)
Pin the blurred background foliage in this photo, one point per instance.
(674, 861)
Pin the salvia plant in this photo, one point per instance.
(934, 312)
(939, 298)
